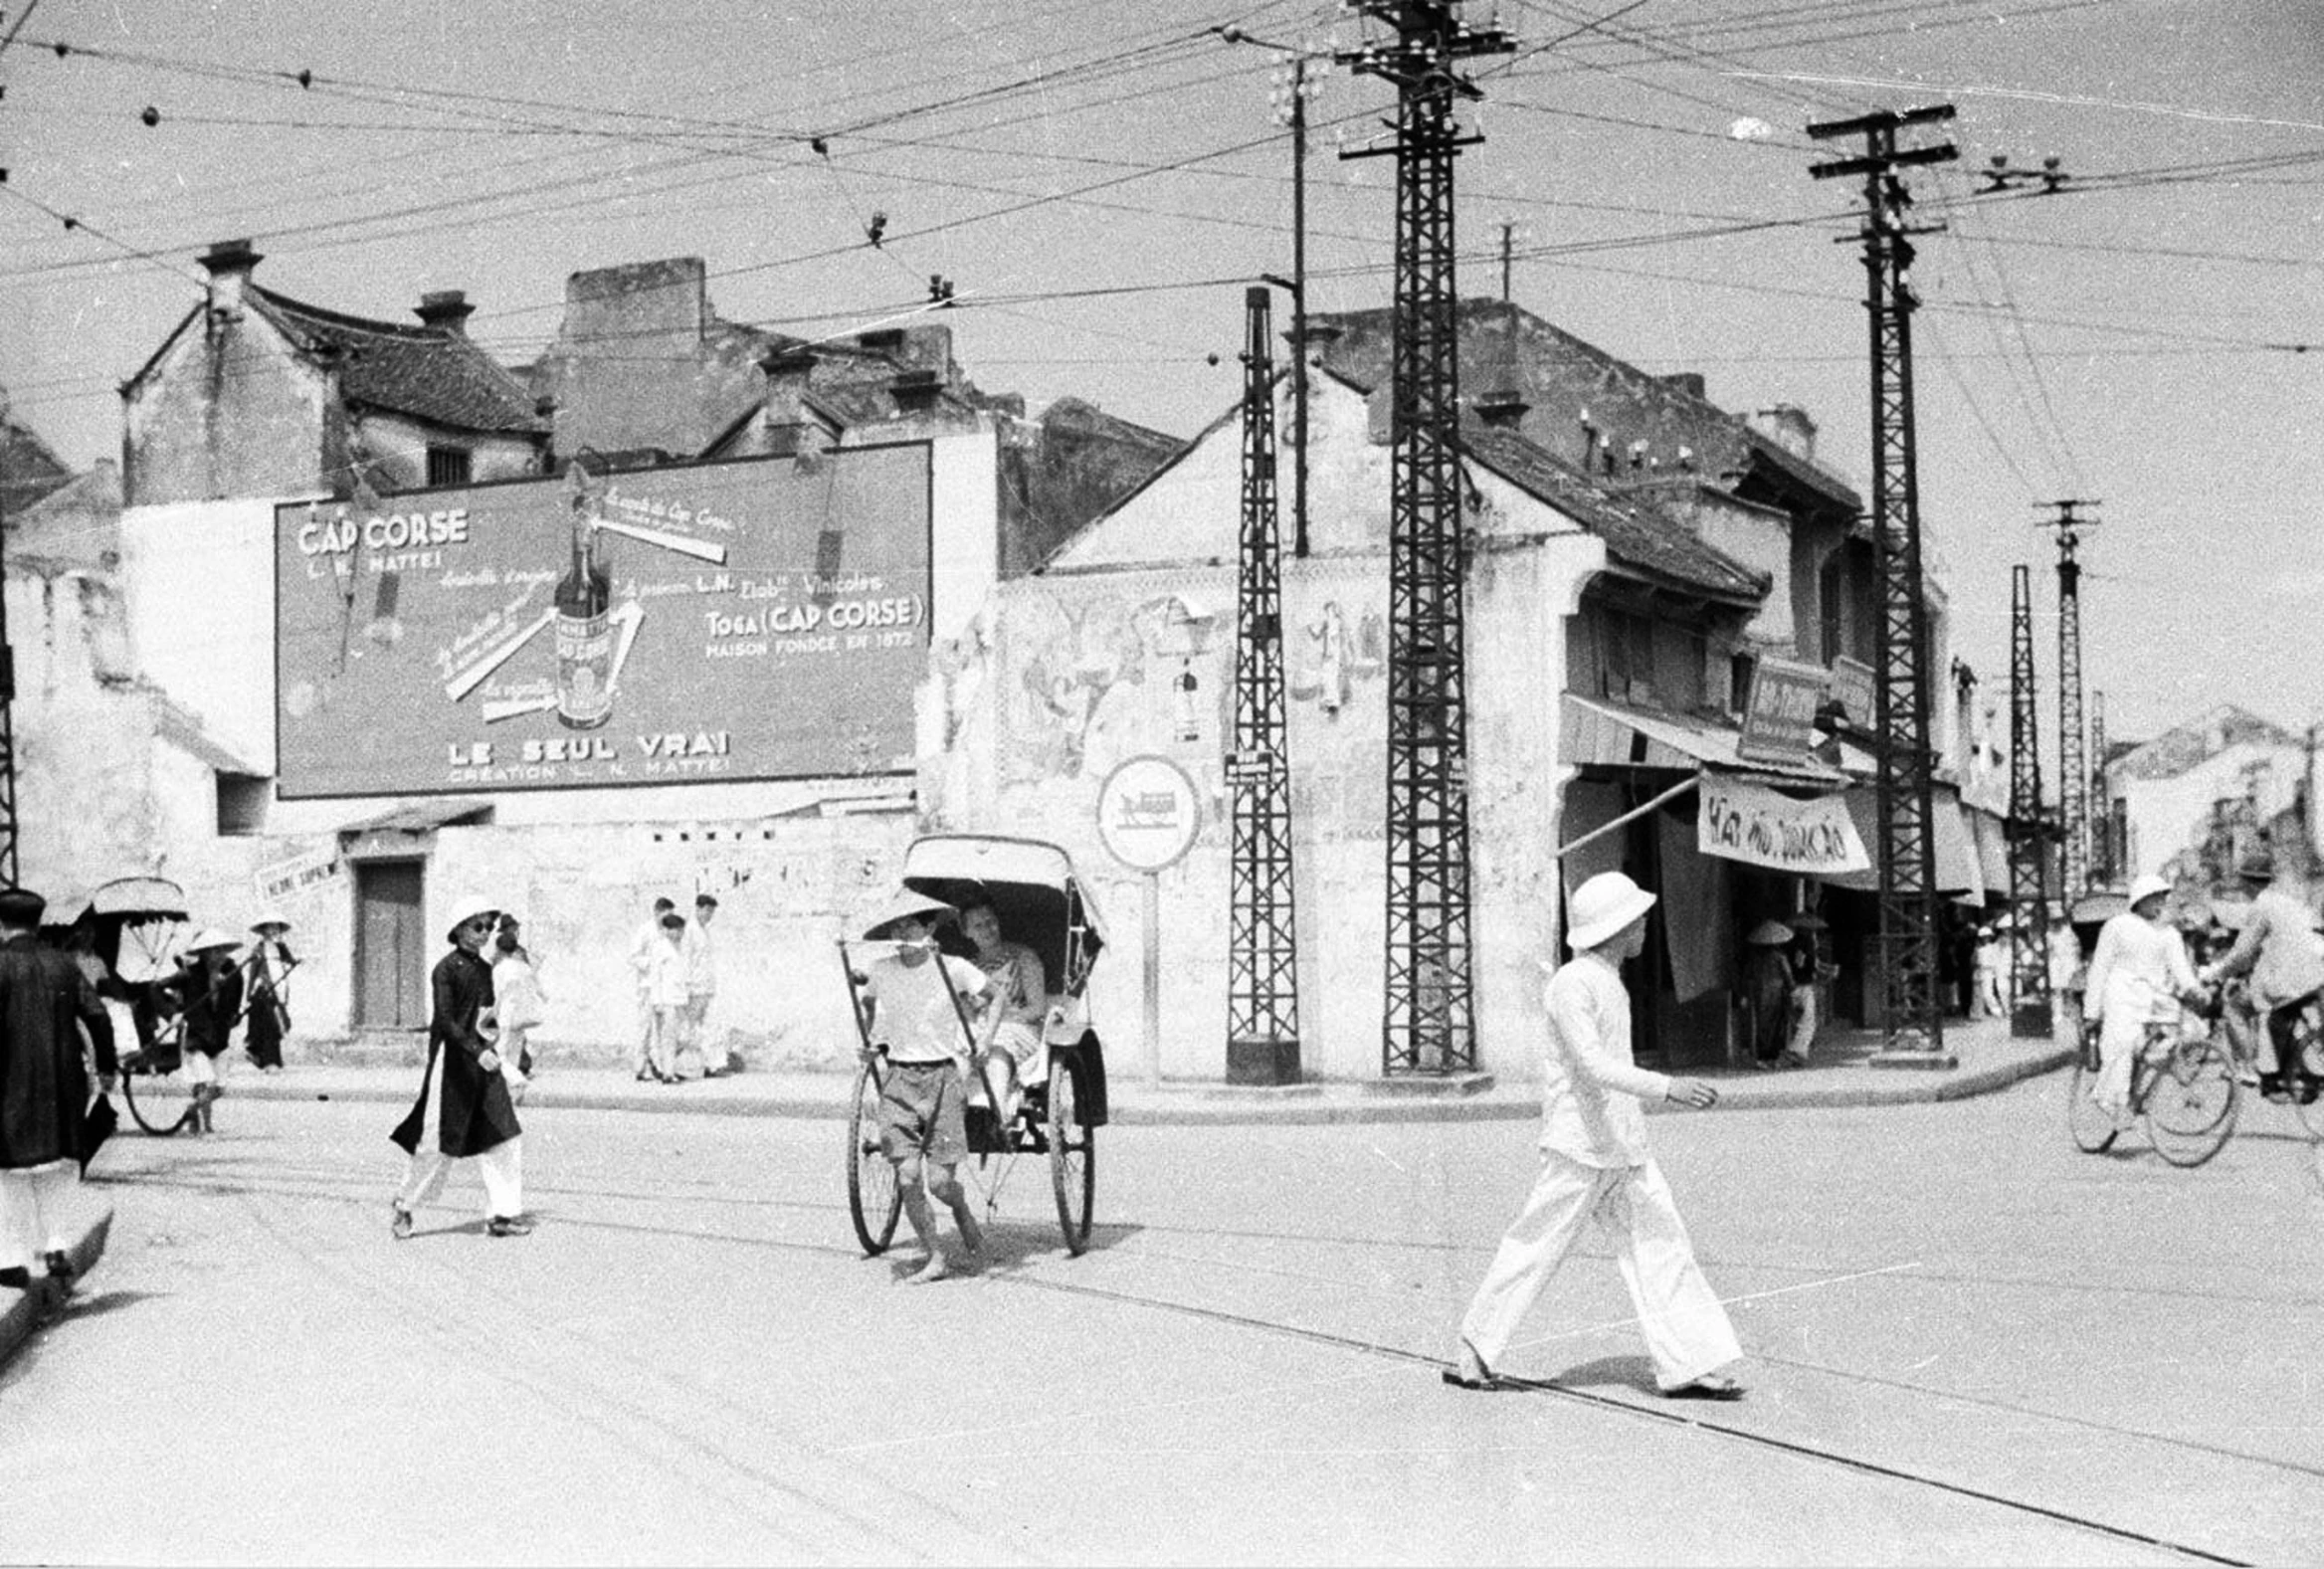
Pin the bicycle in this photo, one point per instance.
(2183, 1087)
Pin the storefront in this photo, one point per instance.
(1727, 841)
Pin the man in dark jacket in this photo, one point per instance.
(47, 1010)
(464, 1109)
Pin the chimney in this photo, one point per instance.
(1688, 381)
(916, 391)
(446, 310)
(788, 367)
(229, 263)
(1787, 426)
(1503, 409)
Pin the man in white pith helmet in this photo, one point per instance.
(1595, 1166)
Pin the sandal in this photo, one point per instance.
(1711, 1386)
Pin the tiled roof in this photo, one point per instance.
(1805, 469)
(1637, 537)
(425, 372)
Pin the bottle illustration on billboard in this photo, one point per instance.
(584, 628)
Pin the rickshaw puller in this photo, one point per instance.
(923, 1127)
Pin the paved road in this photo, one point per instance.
(690, 1362)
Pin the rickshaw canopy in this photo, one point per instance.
(1031, 886)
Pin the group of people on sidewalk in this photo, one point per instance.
(675, 962)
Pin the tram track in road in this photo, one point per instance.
(1672, 1418)
(331, 1184)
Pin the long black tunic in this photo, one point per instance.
(44, 1087)
(476, 1111)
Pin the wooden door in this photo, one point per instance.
(391, 946)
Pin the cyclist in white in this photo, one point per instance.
(2137, 975)
(2278, 949)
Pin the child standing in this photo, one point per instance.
(916, 997)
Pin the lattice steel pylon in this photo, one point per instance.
(2028, 826)
(1912, 1020)
(2073, 779)
(1429, 1023)
(1262, 982)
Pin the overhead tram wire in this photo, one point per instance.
(590, 179)
(500, 120)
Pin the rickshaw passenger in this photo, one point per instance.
(1021, 997)
(922, 1125)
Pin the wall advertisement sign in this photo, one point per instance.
(1753, 824)
(1779, 719)
(752, 620)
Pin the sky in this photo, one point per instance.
(1098, 180)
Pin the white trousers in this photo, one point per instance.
(36, 1205)
(501, 1167)
(699, 1034)
(1687, 1332)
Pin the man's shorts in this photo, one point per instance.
(922, 1112)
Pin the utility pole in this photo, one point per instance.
(2102, 872)
(2074, 778)
(1263, 980)
(1508, 254)
(1911, 1018)
(1293, 88)
(1429, 1023)
(10, 870)
(2029, 1017)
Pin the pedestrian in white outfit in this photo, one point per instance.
(642, 948)
(701, 987)
(1594, 1164)
(2137, 974)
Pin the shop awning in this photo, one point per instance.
(1597, 730)
(420, 817)
(1959, 867)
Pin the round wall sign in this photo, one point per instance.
(1149, 813)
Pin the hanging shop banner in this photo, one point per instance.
(1751, 822)
(1779, 719)
(762, 618)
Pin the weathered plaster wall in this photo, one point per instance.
(199, 577)
(229, 411)
(2171, 813)
(85, 807)
(1075, 670)
(787, 888)
(397, 449)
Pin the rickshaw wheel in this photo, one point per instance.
(159, 1102)
(2093, 1130)
(874, 1199)
(1072, 1159)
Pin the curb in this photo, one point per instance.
(1210, 1105)
(21, 1318)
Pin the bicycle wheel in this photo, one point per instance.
(2091, 1129)
(159, 1102)
(2191, 1102)
(874, 1199)
(1072, 1159)
(2311, 1039)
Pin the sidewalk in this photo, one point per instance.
(1841, 1076)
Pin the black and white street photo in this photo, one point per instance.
(1296, 782)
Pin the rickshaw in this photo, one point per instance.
(140, 927)
(1041, 904)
